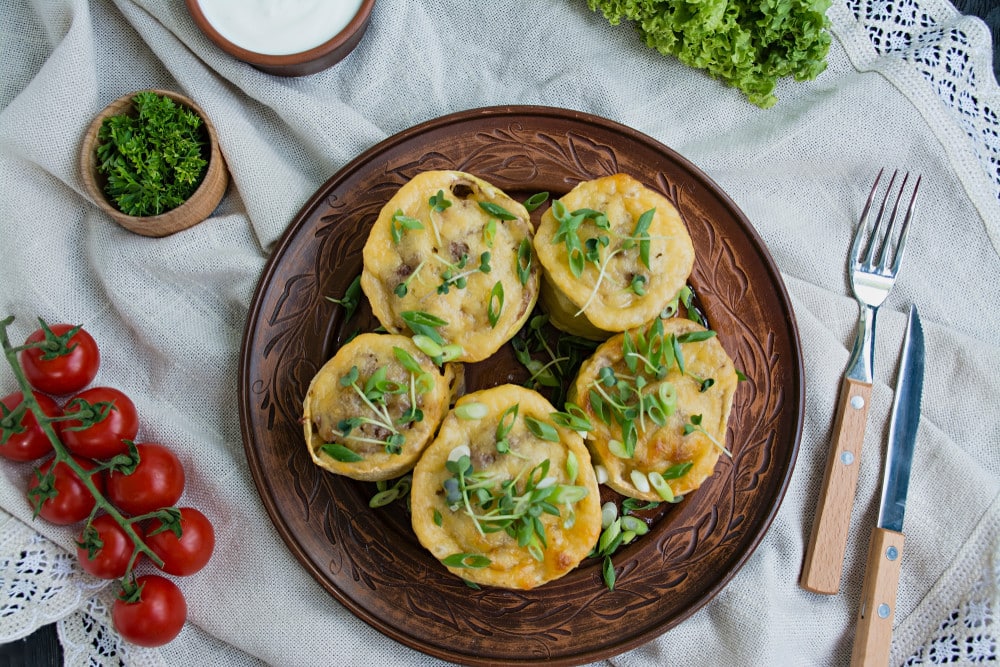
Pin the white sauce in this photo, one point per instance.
(279, 27)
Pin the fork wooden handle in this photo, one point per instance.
(824, 558)
(873, 633)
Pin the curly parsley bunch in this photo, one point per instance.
(749, 44)
(154, 158)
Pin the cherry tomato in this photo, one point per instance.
(104, 549)
(66, 363)
(25, 440)
(101, 434)
(156, 482)
(152, 615)
(64, 498)
(188, 553)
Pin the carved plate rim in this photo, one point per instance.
(576, 648)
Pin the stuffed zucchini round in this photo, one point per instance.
(614, 253)
(374, 407)
(450, 257)
(504, 496)
(658, 399)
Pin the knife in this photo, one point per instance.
(873, 634)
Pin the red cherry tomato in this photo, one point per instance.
(25, 440)
(65, 363)
(64, 498)
(188, 553)
(101, 434)
(156, 482)
(153, 615)
(104, 549)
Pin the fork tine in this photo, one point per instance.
(874, 237)
(855, 252)
(887, 239)
(906, 227)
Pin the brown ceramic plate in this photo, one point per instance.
(370, 560)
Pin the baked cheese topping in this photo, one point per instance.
(659, 400)
(450, 256)
(614, 253)
(504, 496)
(372, 409)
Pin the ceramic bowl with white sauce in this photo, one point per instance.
(284, 37)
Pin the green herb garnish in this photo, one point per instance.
(497, 210)
(495, 503)
(375, 393)
(351, 299)
(155, 158)
(639, 396)
(535, 200)
(495, 304)
(401, 223)
(597, 243)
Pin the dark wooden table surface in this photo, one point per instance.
(42, 648)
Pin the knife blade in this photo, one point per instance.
(873, 633)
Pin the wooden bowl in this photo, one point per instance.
(303, 63)
(198, 206)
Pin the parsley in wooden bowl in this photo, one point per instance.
(151, 161)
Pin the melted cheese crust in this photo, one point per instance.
(660, 447)
(510, 566)
(328, 402)
(615, 307)
(460, 229)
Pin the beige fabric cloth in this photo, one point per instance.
(169, 312)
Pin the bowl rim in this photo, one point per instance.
(338, 41)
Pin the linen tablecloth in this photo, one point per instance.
(909, 85)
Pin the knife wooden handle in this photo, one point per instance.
(873, 635)
(825, 554)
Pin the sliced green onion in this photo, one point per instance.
(465, 560)
(661, 486)
(543, 430)
(639, 481)
(471, 410)
(340, 453)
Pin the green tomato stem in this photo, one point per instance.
(62, 455)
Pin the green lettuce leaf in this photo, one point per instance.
(749, 44)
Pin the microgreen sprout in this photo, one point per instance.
(438, 204)
(512, 505)
(403, 288)
(401, 223)
(596, 246)
(551, 365)
(694, 426)
(351, 299)
(638, 396)
(504, 426)
(375, 394)
(456, 275)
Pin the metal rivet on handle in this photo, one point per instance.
(846, 458)
(883, 610)
(892, 553)
(857, 402)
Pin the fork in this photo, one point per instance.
(871, 277)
